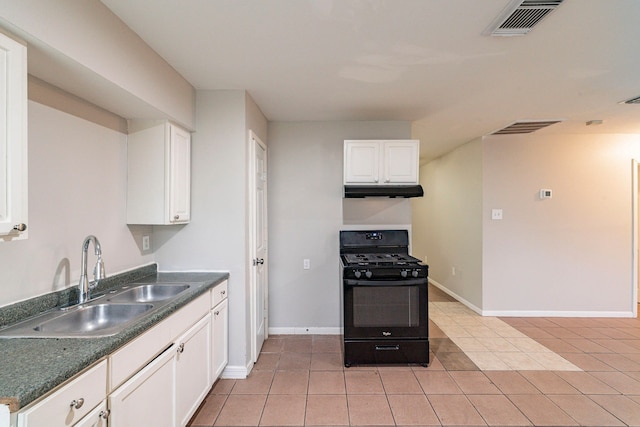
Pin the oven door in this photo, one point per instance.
(385, 309)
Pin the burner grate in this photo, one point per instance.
(388, 259)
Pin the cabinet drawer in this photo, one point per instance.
(219, 293)
(126, 361)
(96, 418)
(57, 409)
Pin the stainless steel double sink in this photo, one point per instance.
(102, 316)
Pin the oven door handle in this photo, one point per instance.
(404, 282)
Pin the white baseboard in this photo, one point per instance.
(542, 313)
(236, 372)
(456, 296)
(305, 331)
(531, 313)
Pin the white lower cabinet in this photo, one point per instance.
(158, 379)
(192, 369)
(70, 403)
(220, 341)
(147, 398)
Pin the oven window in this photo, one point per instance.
(387, 306)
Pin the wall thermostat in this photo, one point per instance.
(545, 194)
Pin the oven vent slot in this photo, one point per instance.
(520, 16)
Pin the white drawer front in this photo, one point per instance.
(69, 404)
(220, 292)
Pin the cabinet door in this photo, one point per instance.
(13, 138)
(147, 399)
(179, 175)
(220, 340)
(362, 162)
(193, 369)
(401, 162)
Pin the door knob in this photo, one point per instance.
(20, 227)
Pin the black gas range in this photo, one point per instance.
(384, 299)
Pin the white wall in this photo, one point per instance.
(215, 239)
(447, 221)
(82, 47)
(569, 255)
(306, 214)
(77, 187)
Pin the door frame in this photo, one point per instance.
(251, 152)
(635, 235)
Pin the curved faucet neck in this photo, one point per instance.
(84, 287)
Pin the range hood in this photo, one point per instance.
(360, 191)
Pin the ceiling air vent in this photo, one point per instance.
(525, 127)
(520, 16)
(635, 100)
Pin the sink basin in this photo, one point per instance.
(93, 318)
(149, 293)
(96, 320)
(102, 316)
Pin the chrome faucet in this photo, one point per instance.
(84, 287)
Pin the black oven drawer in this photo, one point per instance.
(386, 352)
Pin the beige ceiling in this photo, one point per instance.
(426, 61)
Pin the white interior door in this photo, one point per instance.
(259, 245)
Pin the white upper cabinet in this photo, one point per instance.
(180, 175)
(158, 174)
(381, 162)
(13, 139)
(361, 162)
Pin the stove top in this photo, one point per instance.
(379, 255)
(379, 259)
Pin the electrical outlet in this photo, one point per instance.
(496, 214)
(306, 264)
(146, 245)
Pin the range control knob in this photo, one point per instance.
(368, 273)
(357, 273)
(404, 273)
(415, 273)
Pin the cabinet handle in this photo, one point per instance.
(20, 227)
(104, 414)
(216, 312)
(181, 348)
(77, 403)
(223, 292)
(176, 217)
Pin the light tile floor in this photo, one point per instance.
(301, 381)
(492, 344)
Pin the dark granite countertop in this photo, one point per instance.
(33, 366)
